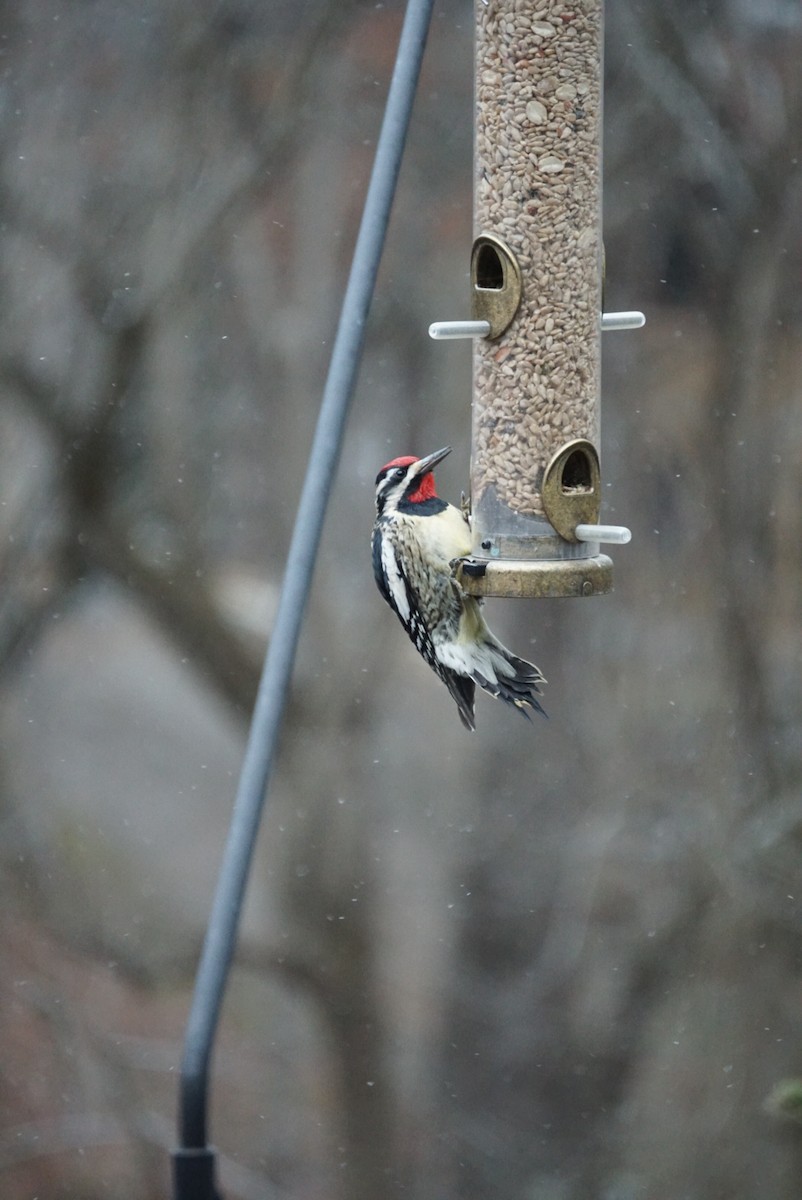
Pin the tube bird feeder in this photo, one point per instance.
(536, 303)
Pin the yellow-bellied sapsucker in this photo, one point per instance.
(416, 539)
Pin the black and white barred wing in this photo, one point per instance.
(402, 596)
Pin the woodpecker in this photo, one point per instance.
(417, 539)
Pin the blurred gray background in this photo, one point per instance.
(546, 962)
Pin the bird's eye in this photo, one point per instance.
(399, 472)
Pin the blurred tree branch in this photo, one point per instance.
(98, 537)
(748, 252)
(93, 451)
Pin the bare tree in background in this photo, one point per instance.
(664, 955)
(556, 962)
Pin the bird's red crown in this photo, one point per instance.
(425, 489)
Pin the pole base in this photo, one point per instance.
(194, 1174)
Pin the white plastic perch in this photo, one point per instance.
(613, 535)
(447, 330)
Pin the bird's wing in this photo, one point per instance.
(390, 578)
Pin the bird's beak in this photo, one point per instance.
(424, 465)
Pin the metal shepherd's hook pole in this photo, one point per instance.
(193, 1160)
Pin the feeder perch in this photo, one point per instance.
(536, 304)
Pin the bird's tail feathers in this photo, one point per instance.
(463, 691)
(517, 681)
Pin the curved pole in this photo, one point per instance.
(194, 1161)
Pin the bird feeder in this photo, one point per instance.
(536, 273)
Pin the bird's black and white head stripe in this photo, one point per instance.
(407, 485)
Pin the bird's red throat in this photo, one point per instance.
(425, 489)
